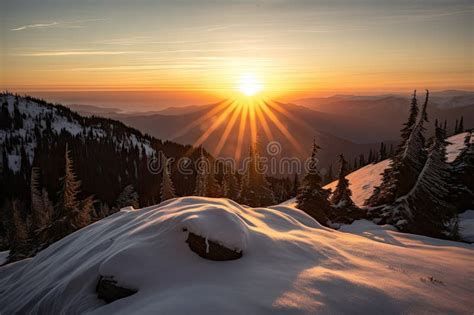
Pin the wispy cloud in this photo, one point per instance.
(68, 24)
(38, 25)
(75, 53)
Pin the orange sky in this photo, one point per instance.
(295, 49)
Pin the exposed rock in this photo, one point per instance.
(210, 249)
(108, 290)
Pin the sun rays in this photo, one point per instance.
(242, 119)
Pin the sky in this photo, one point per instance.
(203, 48)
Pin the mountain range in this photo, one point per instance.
(346, 124)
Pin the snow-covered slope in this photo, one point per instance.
(290, 264)
(35, 114)
(363, 180)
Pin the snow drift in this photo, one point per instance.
(290, 264)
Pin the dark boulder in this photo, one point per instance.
(108, 290)
(211, 250)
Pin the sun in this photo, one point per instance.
(249, 85)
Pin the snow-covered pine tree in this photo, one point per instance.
(128, 197)
(426, 209)
(341, 197)
(167, 187)
(255, 190)
(312, 198)
(399, 178)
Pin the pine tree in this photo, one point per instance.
(400, 177)
(18, 234)
(72, 214)
(329, 175)
(167, 187)
(426, 209)
(200, 188)
(341, 198)
(456, 127)
(17, 118)
(461, 125)
(230, 186)
(312, 198)
(362, 160)
(5, 118)
(382, 152)
(128, 197)
(296, 184)
(410, 124)
(371, 157)
(255, 189)
(67, 201)
(41, 207)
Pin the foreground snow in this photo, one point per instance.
(290, 264)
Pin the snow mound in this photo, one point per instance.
(290, 264)
(363, 181)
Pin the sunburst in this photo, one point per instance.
(250, 111)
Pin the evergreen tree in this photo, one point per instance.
(167, 187)
(362, 160)
(296, 184)
(201, 176)
(426, 209)
(382, 152)
(41, 206)
(329, 175)
(67, 199)
(410, 124)
(255, 189)
(128, 197)
(456, 127)
(312, 198)
(5, 118)
(461, 125)
(72, 214)
(392, 152)
(17, 118)
(403, 172)
(230, 186)
(341, 198)
(371, 157)
(18, 234)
